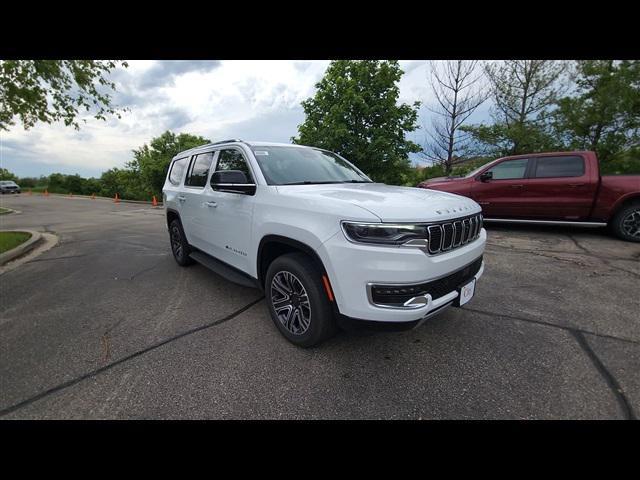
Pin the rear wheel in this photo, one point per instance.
(297, 300)
(179, 245)
(626, 223)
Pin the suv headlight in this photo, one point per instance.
(384, 233)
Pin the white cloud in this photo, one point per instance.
(255, 100)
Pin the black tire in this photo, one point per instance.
(626, 223)
(314, 323)
(179, 246)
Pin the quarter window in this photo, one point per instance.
(199, 172)
(511, 169)
(564, 166)
(177, 169)
(233, 160)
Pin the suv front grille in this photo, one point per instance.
(448, 235)
(397, 295)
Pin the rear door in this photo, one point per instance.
(560, 188)
(192, 199)
(502, 196)
(172, 189)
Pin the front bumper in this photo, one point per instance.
(354, 268)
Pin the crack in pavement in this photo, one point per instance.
(98, 371)
(578, 334)
(541, 253)
(548, 324)
(613, 384)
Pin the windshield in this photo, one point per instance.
(7, 182)
(299, 166)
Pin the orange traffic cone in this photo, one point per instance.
(46, 192)
(154, 202)
(30, 192)
(116, 199)
(93, 196)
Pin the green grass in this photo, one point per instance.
(9, 240)
(4, 210)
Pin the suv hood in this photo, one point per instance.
(389, 203)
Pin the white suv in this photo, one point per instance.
(327, 245)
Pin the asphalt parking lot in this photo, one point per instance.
(105, 325)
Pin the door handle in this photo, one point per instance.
(182, 198)
(211, 204)
(517, 186)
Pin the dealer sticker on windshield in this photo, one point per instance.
(466, 292)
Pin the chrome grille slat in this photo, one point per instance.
(435, 241)
(449, 235)
(447, 239)
(457, 233)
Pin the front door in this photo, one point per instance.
(228, 216)
(503, 195)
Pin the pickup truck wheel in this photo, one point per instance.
(179, 245)
(626, 223)
(297, 300)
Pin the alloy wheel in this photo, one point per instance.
(290, 302)
(631, 224)
(176, 241)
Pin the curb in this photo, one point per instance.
(22, 248)
(9, 211)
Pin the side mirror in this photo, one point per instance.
(486, 176)
(232, 181)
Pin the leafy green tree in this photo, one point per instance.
(355, 113)
(151, 162)
(7, 175)
(27, 182)
(603, 114)
(523, 93)
(52, 90)
(126, 183)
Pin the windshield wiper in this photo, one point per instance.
(357, 181)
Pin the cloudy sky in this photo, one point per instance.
(252, 100)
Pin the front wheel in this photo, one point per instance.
(626, 223)
(297, 300)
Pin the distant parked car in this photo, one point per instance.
(561, 188)
(9, 186)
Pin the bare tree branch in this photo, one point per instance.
(455, 85)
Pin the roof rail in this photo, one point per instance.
(226, 141)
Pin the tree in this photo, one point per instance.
(603, 114)
(355, 113)
(523, 92)
(151, 162)
(7, 175)
(458, 94)
(52, 90)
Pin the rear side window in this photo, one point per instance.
(233, 160)
(177, 169)
(547, 167)
(510, 169)
(197, 176)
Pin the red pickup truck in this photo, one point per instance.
(551, 188)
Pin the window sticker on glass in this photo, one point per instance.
(261, 152)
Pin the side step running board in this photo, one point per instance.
(565, 223)
(224, 270)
